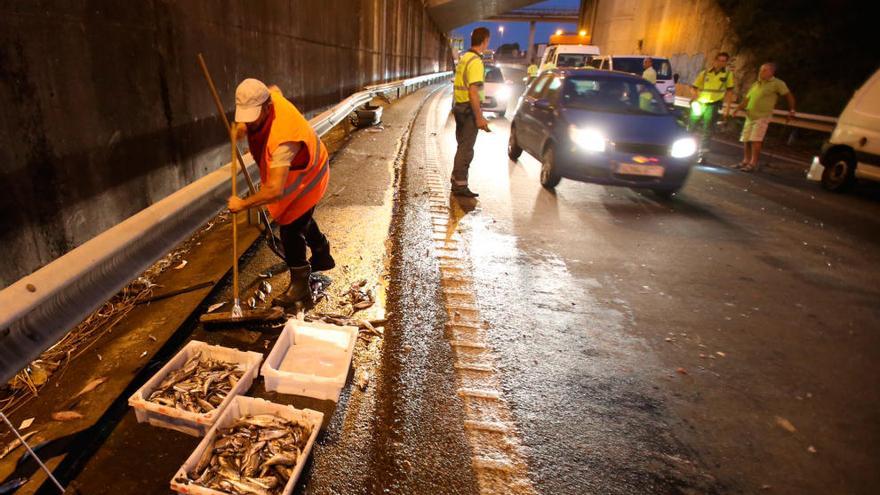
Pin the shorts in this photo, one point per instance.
(754, 130)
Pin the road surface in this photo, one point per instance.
(724, 341)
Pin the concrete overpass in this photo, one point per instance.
(537, 15)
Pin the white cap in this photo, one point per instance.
(249, 98)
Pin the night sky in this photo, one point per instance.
(518, 32)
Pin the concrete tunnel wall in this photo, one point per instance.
(105, 110)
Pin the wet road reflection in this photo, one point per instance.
(647, 345)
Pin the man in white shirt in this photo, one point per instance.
(649, 73)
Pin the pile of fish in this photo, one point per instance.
(358, 298)
(255, 455)
(200, 386)
(260, 295)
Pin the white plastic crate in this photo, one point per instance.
(188, 422)
(310, 359)
(244, 406)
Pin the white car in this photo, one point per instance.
(568, 55)
(497, 91)
(634, 65)
(853, 151)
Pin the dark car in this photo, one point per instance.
(602, 127)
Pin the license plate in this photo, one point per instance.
(638, 169)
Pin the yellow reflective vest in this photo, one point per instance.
(468, 71)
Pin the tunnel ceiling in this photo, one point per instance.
(450, 14)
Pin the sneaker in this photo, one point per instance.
(464, 192)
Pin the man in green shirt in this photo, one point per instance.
(469, 120)
(759, 104)
(712, 88)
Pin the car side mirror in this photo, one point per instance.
(675, 77)
(543, 104)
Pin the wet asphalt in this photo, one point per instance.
(724, 341)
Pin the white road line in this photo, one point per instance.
(498, 463)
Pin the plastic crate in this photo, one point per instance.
(310, 359)
(188, 422)
(243, 406)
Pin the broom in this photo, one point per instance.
(237, 315)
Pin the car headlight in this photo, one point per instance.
(588, 139)
(683, 148)
(504, 93)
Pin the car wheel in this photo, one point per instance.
(840, 171)
(666, 193)
(513, 149)
(549, 176)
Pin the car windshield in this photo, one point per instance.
(493, 75)
(635, 65)
(572, 60)
(612, 94)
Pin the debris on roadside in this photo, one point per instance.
(66, 415)
(181, 265)
(215, 307)
(359, 299)
(363, 379)
(785, 424)
(14, 444)
(26, 424)
(811, 449)
(319, 284)
(681, 371)
(92, 385)
(13, 484)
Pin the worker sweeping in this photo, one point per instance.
(294, 173)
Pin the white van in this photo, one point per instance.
(567, 51)
(853, 151)
(634, 65)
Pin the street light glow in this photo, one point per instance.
(583, 32)
(558, 32)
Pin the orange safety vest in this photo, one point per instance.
(304, 187)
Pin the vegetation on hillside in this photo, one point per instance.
(825, 49)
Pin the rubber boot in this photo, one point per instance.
(299, 292)
(321, 259)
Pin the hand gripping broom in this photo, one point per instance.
(237, 315)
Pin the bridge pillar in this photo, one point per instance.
(531, 50)
(587, 17)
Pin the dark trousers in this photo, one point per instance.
(297, 235)
(466, 136)
(705, 123)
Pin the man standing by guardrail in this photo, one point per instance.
(712, 88)
(468, 95)
(294, 173)
(759, 104)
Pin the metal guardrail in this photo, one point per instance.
(39, 309)
(811, 121)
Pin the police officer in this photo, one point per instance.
(469, 119)
(532, 71)
(712, 87)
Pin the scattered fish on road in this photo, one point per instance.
(66, 415)
(255, 455)
(92, 385)
(200, 386)
(14, 444)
